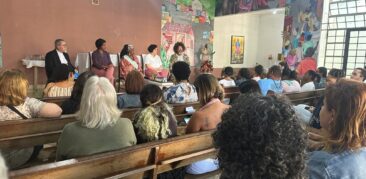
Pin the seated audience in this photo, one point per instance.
(15, 105)
(3, 168)
(259, 73)
(273, 82)
(289, 81)
(156, 119)
(72, 105)
(62, 85)
(179, 54)
(129, 61)
(243, 75)
(56, 58)
(308, 63)
(227, 80)
(100, 127)
(333, 76)
(249, 86)
(260, 137)
(210, 94)
(322, 71)
(102, 64)
(309, 80)
(134, 84)
(342, 119)
(154, 66)
(359, 74)
(183, 91)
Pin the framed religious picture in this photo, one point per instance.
(237, 49)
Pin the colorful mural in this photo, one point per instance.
(302, 26)
(302, 22)
(187, 21)
(227, 7)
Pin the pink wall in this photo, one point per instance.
(30, 27)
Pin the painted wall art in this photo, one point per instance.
(302, 24)
(187, 21)
(237, 49)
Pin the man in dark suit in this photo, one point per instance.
(56, 58)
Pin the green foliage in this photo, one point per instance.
(185, 2)
(209, 6)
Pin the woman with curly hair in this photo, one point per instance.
(260, 137)
(179, 55)
(210, 95)
(342, 119)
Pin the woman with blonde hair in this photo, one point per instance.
(210, 95)
(342, 119)
(156, 119)
(99, 127)
(15, 105)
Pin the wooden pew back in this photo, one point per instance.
(60, 100)
(133, 162)
(308, 97)
(231, 93)
(31, 132)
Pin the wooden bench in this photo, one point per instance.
(60, 100)
(308, 97)
(231, 93)
(31, 132)
(148, 159)
(27, 133)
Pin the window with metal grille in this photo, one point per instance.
(343, 35)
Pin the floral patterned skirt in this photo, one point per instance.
(206, 67)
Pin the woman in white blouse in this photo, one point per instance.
(154, 66)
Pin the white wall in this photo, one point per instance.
(263, 36)
(241, 25)
(270, 38)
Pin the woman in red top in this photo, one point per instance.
(308, 63)
(129, 61)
